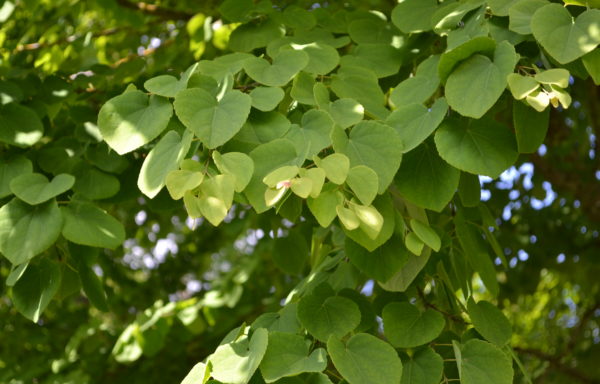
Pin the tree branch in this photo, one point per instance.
(155, 10)
(555, 362)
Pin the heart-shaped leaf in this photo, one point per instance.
(34, 290)
(286, 64)
(180, 181)
(236, 362)
(490, 322)
(336, 167)
(266, 98)
(215, 198)
(564, 37)
(133, 119)
(34, 188)
(407, 327)
(364, 183)
(213, 121)
(481, 362)
(87, 224)
(11, 168)
(424, 367)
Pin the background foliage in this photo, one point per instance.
(108, 279)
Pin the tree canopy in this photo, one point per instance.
(274, 191)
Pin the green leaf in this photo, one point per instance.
(336, 167)
(420, 87)
(365, 359)
(425, 179)
(298, 18)
(530, 127)
(286, 64)
(371, 221)
(314, 134)
(483, 147)
(236, 362)
(424, 367)
(93, 183)
(317, 177)
(290, 253)
(500, 7)
(301, 186)
(322, 58)
(383, 205)
(302, 88)
(477, 83)
(34, 188)
(268, 157)
(215, 198)
(133, 119)
(414, 123)
(325, 316)
(213, 121)
(360, 84)
(451, 59)
(285, 320)
(11, 168)
(239, 165)
(382, 263)
(591, 61)
(383, 59)
(254, 35)
(289, 355)
(364, 183)
(469, 189)
(178, 182)
(490, 322)
(87, 224)
(347, 217)
(34, 290)
(16, 272)
(285, 173)
(414, 243)
(261, 128)
(482, 362)
(521, 86)
(223, 66)
(520, 14)
(167, 85)
(346, 112)
(404, 278)
(412, 16)
(20, 126)
(324, 206)
(91, 284)
(426, 234)
(199, 374)
(375, 145)
(554, 76)
(26, 231)
(162, 159)
(407, 327)
(564, 37)
(266, 98)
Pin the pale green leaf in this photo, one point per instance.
(413, 243)
(364, 183)
(360, 84)
(239, 165)
(521, 86)
(336, 167)
(520, 14)
(178, 182)
(34, 188)
(266, 98)
(426, 234)
(236, 362)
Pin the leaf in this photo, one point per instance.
(324, 206)
(34, 290)
(412, 16)
(407, 327)
(239, 165)
(266, 98)
(348, 217)
(314, 134)
(500, 7)
(554, 76)
(425, 179)
(420, 87)
(199, 374)
(521, 86)
(565, 38)
(317, 178)
(360, 84)
(530, 127)
(11, 168)
(489, 321)
(133, 119)
(91, 284)
(383, 59)
(322, 58)
(382, 263)
(346, 112)
(27, 231)
(364, 183)
(93, 183)
(86, 224)
(482, 362)
(365, 359)
(290, 253)
(167, 85)
(34, 188)
(301, 186)
(477, 83)
(469, 189)
(414, 123)
(236, 362)
(298, 18)
(426, 234)
(424, 367)
(376, 146)
(289, 355)
(483, 147)
(178, 182)
(451, 59)
(384, 207)
(215, 198)
(591, 62)
(250, 36)
(336, 167)
(285, 173)
(414, 243)
(261, 128)
(286, 64)
(520, 14)
(20, 126)
(162, 159)
(325, 316)
(213, 121)
(285, 320)
(371, 221)
(268, 157)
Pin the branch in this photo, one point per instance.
(155, 10)
(427, 304)
(557, 364)
(66, 40)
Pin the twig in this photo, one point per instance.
(155, 10)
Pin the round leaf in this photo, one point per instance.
(34, 188)
(86, 224)
(407, 327)
(324, 316)
(490, 322)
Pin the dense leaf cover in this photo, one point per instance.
(291, 191)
